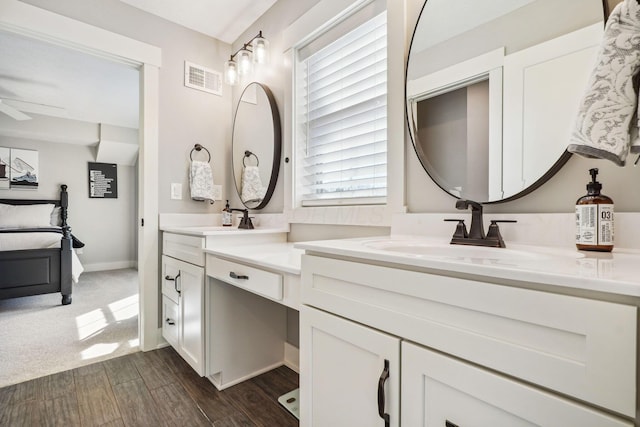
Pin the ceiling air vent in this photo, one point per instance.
(201, 78)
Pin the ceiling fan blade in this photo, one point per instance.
(13, 112)
(36, 108)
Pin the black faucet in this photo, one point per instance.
(476, 236)
(245, 222)
(477, 228)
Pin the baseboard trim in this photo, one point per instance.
(104, 266)
(215, 378)
(292, 357)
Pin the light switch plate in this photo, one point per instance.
(217, 192)
(176, 191)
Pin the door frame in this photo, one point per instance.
(31, 21)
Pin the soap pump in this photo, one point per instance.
(594, 218)
(227, 218)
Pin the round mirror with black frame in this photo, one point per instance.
(256, 145)
(492, 89)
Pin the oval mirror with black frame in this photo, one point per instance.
(492, 89)
(257, 145)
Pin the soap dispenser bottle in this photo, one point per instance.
(227, 218)
(594, 218)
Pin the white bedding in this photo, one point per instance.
(35, 240)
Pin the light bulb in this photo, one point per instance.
(231, 72)
(245, 65)
(260, 47)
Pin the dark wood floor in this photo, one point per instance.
(156, 388)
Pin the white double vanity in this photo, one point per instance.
(413, 329)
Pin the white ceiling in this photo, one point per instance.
(225, 20)
(36, 76)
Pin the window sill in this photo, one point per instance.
(363, 215)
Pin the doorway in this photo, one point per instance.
(21, 18)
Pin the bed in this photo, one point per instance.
(36, 252)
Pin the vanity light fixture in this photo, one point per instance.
(240, 64)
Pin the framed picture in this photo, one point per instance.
(103, 180)
(5, 168)
(23, 169)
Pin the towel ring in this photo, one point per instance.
(248, 153)
(199, 147)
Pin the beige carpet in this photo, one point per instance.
(38, 336)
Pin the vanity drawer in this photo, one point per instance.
(580, 347)
(170, 322)
(252, 279)
(186, 248)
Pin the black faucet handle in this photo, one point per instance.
(494, 231)
(461, 228)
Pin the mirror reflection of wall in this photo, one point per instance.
(256, 146)
(536, 56)
(453, 132)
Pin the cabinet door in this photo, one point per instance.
(342, 373)
(170, 271)
(190, 285)
(183, 285)
(439, 391)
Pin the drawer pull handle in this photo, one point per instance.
(238, 276)
(381, 398)
(175, 285)
(167, 277)
(170, 321)
(448, 423)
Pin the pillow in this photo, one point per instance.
(25, 216)
(56, 219)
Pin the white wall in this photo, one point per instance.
(422, 195)
(106, 226)
(186, 116)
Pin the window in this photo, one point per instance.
(341, 116)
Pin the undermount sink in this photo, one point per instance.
(429, 249)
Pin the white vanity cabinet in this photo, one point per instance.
(183, 297)
(474, 352)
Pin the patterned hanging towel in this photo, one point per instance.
(607, 122)
(252, 188)
(201, 181)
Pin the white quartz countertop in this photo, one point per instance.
(203, 231)
(281, 257)
(617, 272)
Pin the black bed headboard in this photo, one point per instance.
(63, 201)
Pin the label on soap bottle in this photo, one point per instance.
(594, 224)
(605, 224)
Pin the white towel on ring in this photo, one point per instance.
(201, 181)
(252, 188)
(607, 114)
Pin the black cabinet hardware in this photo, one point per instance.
(381, 397)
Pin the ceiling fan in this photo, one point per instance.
(16, 109)
(12, 112)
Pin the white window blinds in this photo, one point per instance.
(341, 112)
